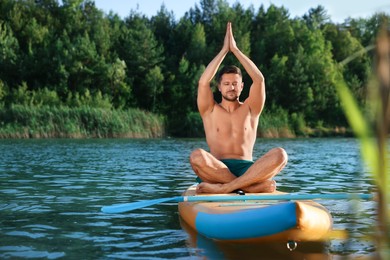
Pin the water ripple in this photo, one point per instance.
(52, 192)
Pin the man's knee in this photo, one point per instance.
(280, 155)
(197, 157)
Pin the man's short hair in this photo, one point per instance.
(229, 69)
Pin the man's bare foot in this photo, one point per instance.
(204, 187)
(267, 186)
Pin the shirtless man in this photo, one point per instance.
(231, 128)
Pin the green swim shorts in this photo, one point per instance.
(236, 166)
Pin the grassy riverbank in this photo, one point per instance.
(22, 121)
(280, 124)
(80, 122)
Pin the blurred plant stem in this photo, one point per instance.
(381, 131)
(372, 129)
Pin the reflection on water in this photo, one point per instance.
(52, 191)
(207, 248)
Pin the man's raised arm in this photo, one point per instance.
(205, 95)
(256, 97)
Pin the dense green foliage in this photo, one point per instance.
(71, 54)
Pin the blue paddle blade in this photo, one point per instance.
(120, 208)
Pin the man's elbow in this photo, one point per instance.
(261, 78)
(203, 82)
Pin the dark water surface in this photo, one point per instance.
(52, 191)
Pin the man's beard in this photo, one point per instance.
(230, 98)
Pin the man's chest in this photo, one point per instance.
(229, 124)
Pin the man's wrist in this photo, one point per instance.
(235, 51)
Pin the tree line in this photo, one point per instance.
(70, 53)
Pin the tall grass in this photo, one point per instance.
(23, 121)
(275, 124)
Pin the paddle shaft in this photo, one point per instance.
(336, 196)
(120, 208)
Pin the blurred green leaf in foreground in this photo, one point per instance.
(372, 129)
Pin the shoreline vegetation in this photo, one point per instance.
(69, 70)
(24, 121)
(20, 121)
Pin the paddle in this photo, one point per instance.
(120, 208)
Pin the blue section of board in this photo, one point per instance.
(248, 223)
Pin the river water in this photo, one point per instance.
(52, 191)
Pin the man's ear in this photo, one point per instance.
(242, 85)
